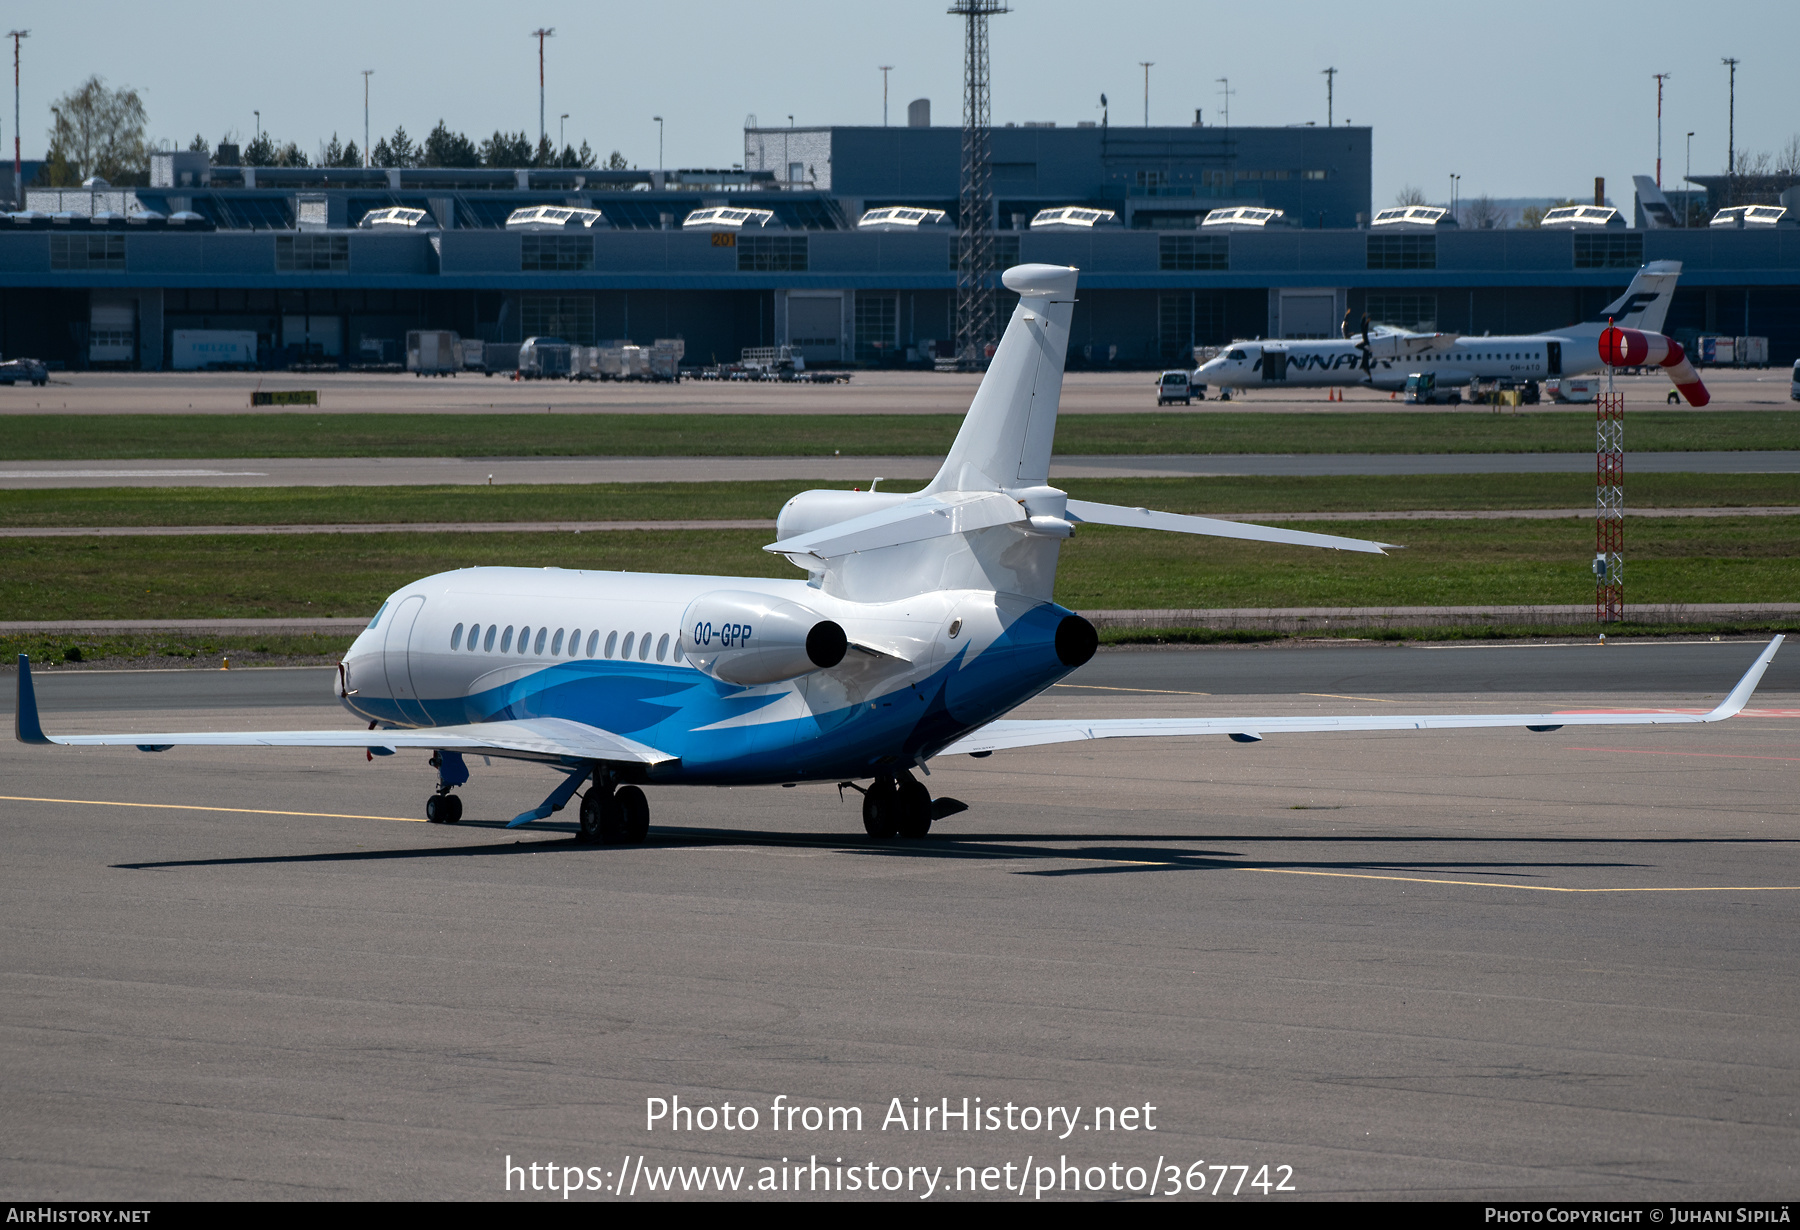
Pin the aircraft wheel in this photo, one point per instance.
(593, 812)
(881, 808)
(633, 812)
(913, 802)
(443, 809)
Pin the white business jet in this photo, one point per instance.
(1382, 357)
(922, 621)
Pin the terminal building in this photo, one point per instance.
(838, 241)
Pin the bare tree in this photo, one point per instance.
(100, 131)
(1409, 195)
(1787, 158)
(1749, 165)
(1484, 214)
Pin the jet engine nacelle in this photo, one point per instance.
(741, 637)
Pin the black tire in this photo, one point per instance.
(593, 805)
(432, 807)
(443, 809)
(881, 818)
(913, 809)
(633, 811)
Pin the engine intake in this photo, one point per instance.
(747, 638)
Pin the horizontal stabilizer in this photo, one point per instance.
(997, 736)
(927, 516)
(1085, 511)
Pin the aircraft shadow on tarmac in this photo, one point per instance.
(1108, 853)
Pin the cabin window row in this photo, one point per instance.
(558, 643)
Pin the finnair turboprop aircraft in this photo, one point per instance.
(1382, 357)
(924, 619)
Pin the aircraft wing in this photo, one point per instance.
(998, 736)
(556, 739)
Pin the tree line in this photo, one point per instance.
(440, 148)
(98, 130)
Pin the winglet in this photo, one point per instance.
(26, 727)
(1740, 695)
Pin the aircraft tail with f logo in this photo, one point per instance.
(1644, 305)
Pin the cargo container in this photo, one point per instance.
(499, 357)
(1751, 351)
(433, 352)
(194, 350)
(474, 355)
(544, 358)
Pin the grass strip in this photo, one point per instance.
(1446, 563)
(165, 649)
(46, 437)
(133, 506)
(1451, 632)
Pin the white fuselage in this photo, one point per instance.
(1340, 363)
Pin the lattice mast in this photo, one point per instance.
(1609, 503)
(977, 305)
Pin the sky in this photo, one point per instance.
(1524, 99)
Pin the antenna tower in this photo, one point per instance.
(1609, 491)
(977, 306)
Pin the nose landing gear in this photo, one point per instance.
(444, 807)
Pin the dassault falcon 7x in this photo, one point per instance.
(923, 619)
(1383, 357)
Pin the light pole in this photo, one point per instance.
(885, 70)
(1686, 178)
(659, 141)
(365, 73)
(18, 166)
(1330, 75)
(1660, 78)
(540, 34)
(1146, 66)
(1731, 63)
(561, 120)
(1226, 91)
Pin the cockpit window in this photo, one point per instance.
(377, 618)
(1237, 354)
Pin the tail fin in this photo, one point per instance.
(1006, 437)
(1645, 303)
(1658, 214)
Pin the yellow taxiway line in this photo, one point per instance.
(243, 811)
(1541, 888)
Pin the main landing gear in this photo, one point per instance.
(900, 806)
(613, 816)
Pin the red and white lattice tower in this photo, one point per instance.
(1609, 505)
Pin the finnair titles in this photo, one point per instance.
(913, 626)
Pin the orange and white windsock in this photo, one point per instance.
(1635, 348)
